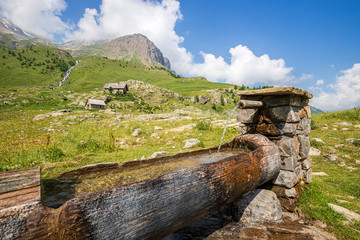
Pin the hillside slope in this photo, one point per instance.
(33, 66)
(136, 48)
(14, 37)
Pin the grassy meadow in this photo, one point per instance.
(342, 185)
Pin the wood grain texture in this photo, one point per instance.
(150, 209)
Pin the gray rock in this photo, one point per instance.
(155, 135)
(321, 174)
(343, 124)
(290, 193)
(284, 114)
(304, 146)
(357, 162)
(318, 140)
(288, 179)
(288, 163)
(331, 157)
(349, 215)
(191, 142)
(306, 164)
(308, 175)
(258, 206)
(158, 154)
(342, 164)
(247, 115)
(314, 152)
(352, 140)
(136, 133)
(158, 128)
(339, 145)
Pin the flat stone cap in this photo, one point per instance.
(276, 91)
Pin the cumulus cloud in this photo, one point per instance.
(156, 20)
(346, 92)
(319, 82)
(244, 68)
(41, 17)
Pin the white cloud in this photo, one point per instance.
(244, 68)
(346, 93)
(157, 21)
(319, 82)
(40, 17)
(306, 77)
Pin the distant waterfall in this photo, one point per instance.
(67, 74)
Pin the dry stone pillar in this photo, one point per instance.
(285, 119)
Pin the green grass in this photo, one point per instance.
(93, 72)
(33, 67)
(343, 181)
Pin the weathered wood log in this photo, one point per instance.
(150, 209)
(245, 104)
(19, 187)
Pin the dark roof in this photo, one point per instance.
(116, 85)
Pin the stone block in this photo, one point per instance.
(305, 163)
(287, 128)
(248, 115)
(308, 176)
(288, 163)
(288, 146)
(304, 126)
(289, 100)
(305, 112)
(258, 206)
(283, 114)
(246, 129)
(304, 146)
(288, 179)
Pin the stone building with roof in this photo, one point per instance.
(95, 104)
(117, 87)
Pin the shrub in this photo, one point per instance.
(203, 126)
(316, 144)
(54, 154)
(89, 145)
(313, 125)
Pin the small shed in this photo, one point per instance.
(117, 87)
(95, 104)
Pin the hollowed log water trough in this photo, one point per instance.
(149, 207)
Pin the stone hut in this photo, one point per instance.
(117, 87)
(283, 117)
(95, 104)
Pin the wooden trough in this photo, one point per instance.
(149, 209)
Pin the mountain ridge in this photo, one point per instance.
(136, 47)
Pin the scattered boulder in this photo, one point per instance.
(343, 124)
(191, 142)
(331, 157)
(318, 140)
(258, 206)
(349, 215)
(357, 161)
(321, 174)
(155, 135)
(158, 154)
(352, 140)
(136, 132)
(158, 128)
(314, 152)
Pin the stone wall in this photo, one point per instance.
(285, 120)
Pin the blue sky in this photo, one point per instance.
(313, 45)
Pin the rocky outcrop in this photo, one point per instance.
(131, 47)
